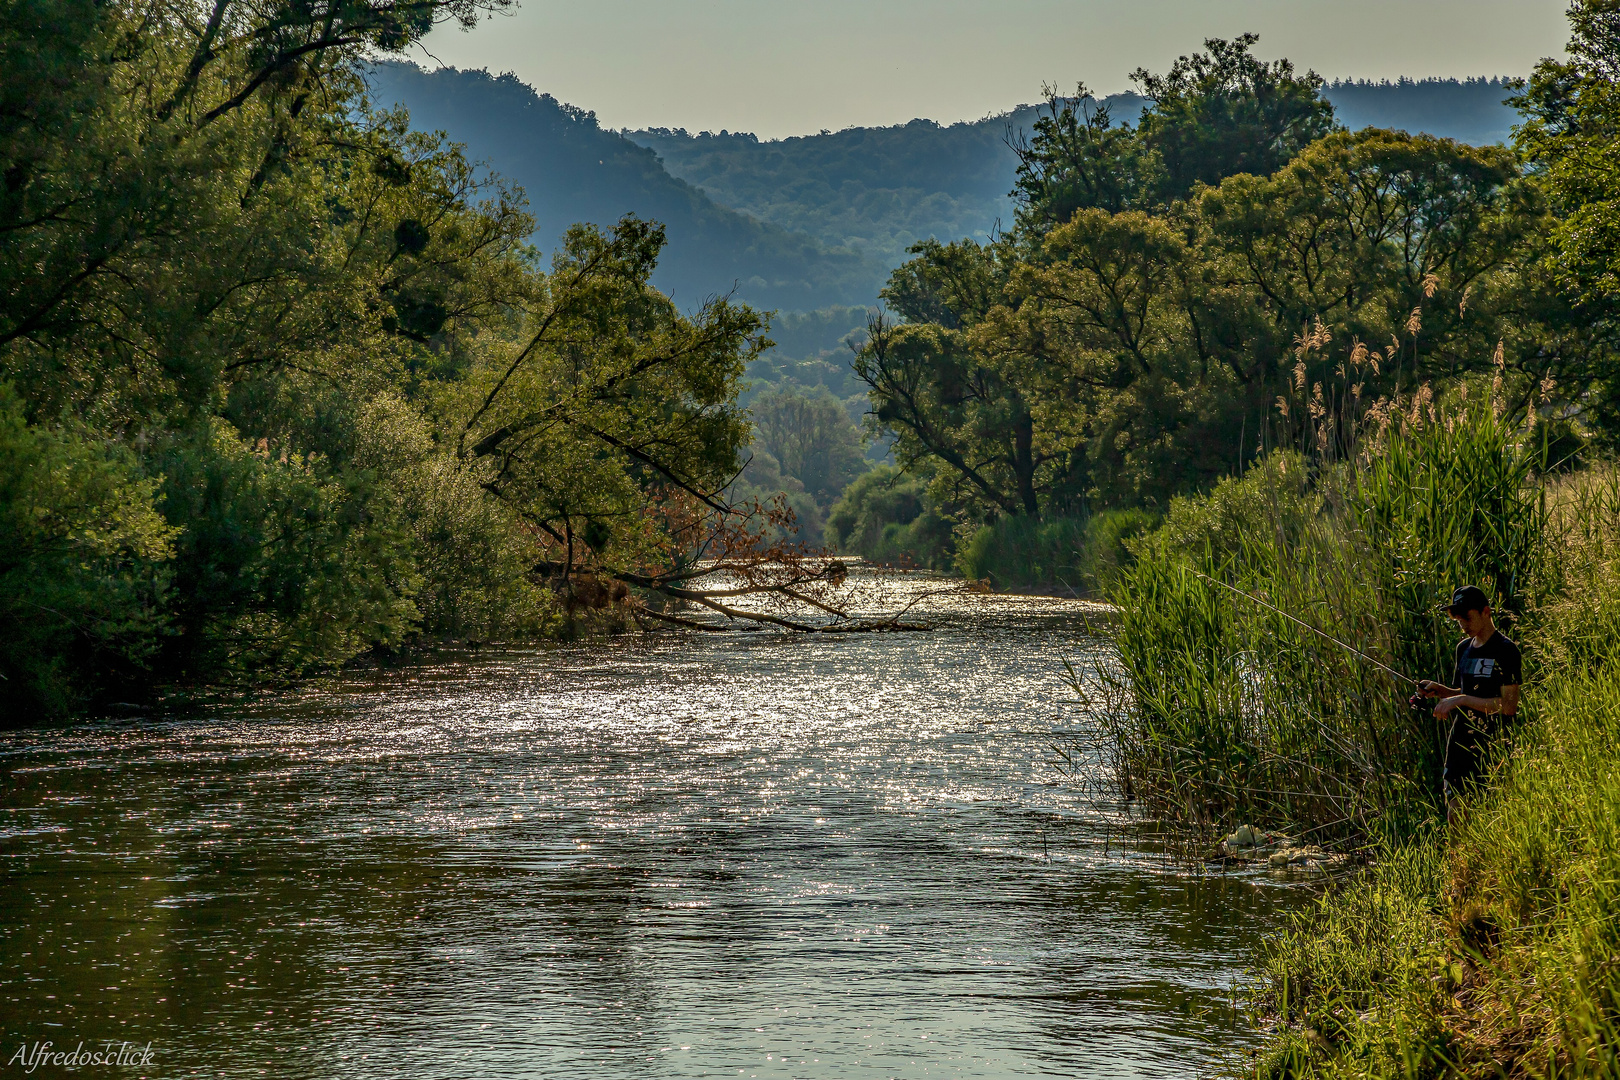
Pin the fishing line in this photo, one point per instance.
(1312, 629)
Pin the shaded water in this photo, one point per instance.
(668, 855)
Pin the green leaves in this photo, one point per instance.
(1223, 112)
(338, 403)
(83, 549)
(1145, 348)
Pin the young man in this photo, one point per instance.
(1487, 674)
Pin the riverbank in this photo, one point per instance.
(1487, 951)
(1485, 946)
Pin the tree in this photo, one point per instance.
(1571, 135)
(810, 434)
(1079, 159)
(1129, 356)
(1223, 111)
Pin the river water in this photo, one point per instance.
(667, 855)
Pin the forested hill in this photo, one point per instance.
(572, 170)
(879, 190)
(1468, 110)
(814, 221)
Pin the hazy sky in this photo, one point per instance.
(784, 68)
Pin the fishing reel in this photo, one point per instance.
(1419, 702)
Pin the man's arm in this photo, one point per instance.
(1430, 688)
(1506, 705)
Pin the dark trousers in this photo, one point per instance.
(1468, 748)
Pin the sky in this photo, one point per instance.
(793, 67)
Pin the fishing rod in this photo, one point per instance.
(1312, 629)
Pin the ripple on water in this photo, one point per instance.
(665, 855)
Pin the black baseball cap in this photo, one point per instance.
(1468, 598)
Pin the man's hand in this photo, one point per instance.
(1446, 705)
(1430, 688)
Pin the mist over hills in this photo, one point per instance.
(572, 170)
(876, 191)
(811, 222)
(1468, 110)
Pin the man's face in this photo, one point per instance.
(1473, 623)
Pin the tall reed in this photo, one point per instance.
(1495, 953)
(1225, 710)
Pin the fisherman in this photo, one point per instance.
(1487, 674)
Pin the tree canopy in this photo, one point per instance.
(281, 380)
(1178, 295)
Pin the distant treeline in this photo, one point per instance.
(1468, 110)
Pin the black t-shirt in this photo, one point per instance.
(1482, 670)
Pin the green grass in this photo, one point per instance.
(1487, 946)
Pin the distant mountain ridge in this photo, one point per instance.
(573, 170)
(873, 190)
(1468, 110)
(814, 221)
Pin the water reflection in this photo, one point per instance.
(669, 855)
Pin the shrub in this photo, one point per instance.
(84, 565)
(1077, 555)
(886, 516)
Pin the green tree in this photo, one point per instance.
(1571, 135)
(1223, 111)
(1129, 356)
(83, 574)
(1078, 158)
(811, 435)
(314, 349)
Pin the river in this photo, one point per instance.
(661, 855)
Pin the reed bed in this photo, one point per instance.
(1493, 950)
(1224, 710)
(1486, 946)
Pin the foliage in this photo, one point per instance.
(282, 563)
(289, 384)
(83, 576)
(812, 437)
(1128, 357)
(1076, 556)
(1075, 157)
(886, 516)
(1223, 112)
(1571, 136)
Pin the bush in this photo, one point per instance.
(83, 570)
(1484, 948)
(885, 516)
(1073, 555)
(472, 557)
(285, 564)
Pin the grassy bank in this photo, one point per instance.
(1482, 947)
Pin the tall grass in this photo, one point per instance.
(1488, 946)
(1495, 953)
(1226, 710)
